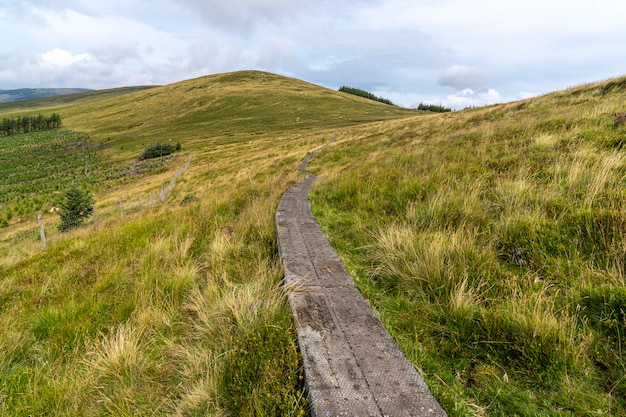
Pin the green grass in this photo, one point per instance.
(177, 309)
(179, 313)
(491, 242)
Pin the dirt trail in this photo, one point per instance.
(352, 366)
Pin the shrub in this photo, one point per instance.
(159, 150)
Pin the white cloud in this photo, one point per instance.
(522, 95)
(468, 98)
(62, 58)
(470, 84)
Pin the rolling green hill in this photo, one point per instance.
(177, 309)
(490, 241)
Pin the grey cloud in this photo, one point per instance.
(244, 16)
(369, 59)
(276, 54)
(201, 55)
(116, 53)
(213, 56)
(461, 77)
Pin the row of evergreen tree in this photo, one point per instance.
(26, 124)
(363, 93)
(366, 94)
(434, 108)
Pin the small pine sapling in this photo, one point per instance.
(76, 207)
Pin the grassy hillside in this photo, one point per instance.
(492, 243)
(175, 310)
(211, 111)
(221, 119)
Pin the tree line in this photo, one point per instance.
(363, 93)
(26, 124)
(434, 108)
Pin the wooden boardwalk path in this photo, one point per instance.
(352, 366)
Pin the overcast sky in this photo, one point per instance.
(449, 52)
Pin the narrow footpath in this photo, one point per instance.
(352, 366)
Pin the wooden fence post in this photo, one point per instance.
(121, 207)
(95, 217)
(42, 231)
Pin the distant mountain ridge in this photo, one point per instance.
(31, 93)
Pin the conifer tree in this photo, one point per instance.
(76, 207)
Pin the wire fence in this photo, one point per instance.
(24, 239)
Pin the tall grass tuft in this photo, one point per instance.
(118, 353)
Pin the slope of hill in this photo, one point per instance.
(175, 310)
(491, 241)
(32, 93)
(225, 108)
(229, 107)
